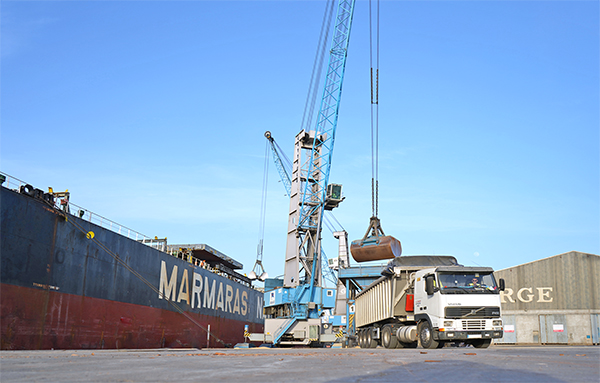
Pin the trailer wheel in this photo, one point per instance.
(388, 338)
(361, 338)
(426, 336)
(483, 343)
(371, 342)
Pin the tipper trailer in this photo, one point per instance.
(431, 301)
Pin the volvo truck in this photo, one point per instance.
(430, 305)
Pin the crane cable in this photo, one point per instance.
(263, 203)
(315, 79)
(258, 267)
(374, 109)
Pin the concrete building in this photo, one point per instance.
(554, 300)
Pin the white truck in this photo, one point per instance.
(429, 306)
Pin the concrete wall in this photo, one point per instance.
(555, 300)
(549, 328)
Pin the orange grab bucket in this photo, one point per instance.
(375, 248)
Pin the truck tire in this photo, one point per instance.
(362, 338)
(482, 343)
(388, 337)
(371, 342)
(359, 337)
(426, 336)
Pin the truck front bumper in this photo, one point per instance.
(466, 335)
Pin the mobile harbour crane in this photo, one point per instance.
(298, 311)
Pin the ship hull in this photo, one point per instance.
(63, 290)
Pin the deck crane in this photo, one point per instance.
(297, 313)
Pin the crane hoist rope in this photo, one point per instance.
(374, 109)
(375, 245)
(258, 272)
(315, 78)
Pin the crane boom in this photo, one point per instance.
(322, 147)
(283, 174)
(312, 173)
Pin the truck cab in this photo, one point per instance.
(457, 304)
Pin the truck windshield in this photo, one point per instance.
(468, 283)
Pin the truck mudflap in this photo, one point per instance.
(466, 335)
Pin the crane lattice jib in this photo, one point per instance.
(316, 169)
(283, 174)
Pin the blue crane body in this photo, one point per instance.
(300, 310)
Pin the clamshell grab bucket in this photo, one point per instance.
(375, 248)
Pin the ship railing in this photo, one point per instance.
(11, 182)
(15, 184)
(97, 219)
(157, 243)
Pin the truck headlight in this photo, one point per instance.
(497, 322)
(448, 323)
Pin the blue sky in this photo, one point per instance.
(153, 113)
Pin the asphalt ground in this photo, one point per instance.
(495, 364)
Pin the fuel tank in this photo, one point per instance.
(375, 248)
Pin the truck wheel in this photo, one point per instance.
(371, 342)
(361, 341)
(388, 338)
(363, 337)
(483, 343)
(426, 335)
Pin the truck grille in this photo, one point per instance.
(472, 312)
(473, 324)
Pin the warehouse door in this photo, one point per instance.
(510, 335)
(553, 329)
(595, 328)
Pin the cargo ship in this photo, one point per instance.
(71, 279)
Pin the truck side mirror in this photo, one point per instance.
(429, 285)
(502, 284)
